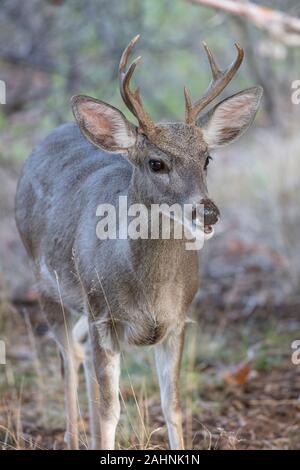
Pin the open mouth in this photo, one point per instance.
(196, 223)
(207, 229)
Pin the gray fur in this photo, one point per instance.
(137, 291)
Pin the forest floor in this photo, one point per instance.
(240, 389)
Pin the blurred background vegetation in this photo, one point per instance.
(50, 50)
(241, 390)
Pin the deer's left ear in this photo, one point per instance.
(229, 119)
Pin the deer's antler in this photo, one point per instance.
(132, 99)
(220, 80)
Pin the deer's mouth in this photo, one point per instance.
(208, 229)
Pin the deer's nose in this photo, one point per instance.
(211, 212)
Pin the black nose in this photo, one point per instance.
(211, 212)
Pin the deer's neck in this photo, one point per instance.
(156, 260)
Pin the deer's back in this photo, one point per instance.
(65, 179)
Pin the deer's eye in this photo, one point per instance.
(157, 165)
(208, 158)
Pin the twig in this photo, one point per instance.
(285, 28)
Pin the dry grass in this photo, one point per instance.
(261, 413)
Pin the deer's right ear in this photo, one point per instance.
(103, 125)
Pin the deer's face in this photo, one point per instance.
(170, 160)
(174, 170)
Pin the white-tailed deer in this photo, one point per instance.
(124, 290)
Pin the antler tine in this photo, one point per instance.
(132, 99)
(124, 77)
(216, 72)
(220, 80)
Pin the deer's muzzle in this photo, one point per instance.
(209, 214)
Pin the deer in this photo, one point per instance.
(100, 294)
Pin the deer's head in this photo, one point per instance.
(170, 160)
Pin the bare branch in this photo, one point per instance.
(281, 26)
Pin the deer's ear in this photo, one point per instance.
(229, 119)
(102, 124)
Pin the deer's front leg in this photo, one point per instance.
(168, 358)
(107, 368)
